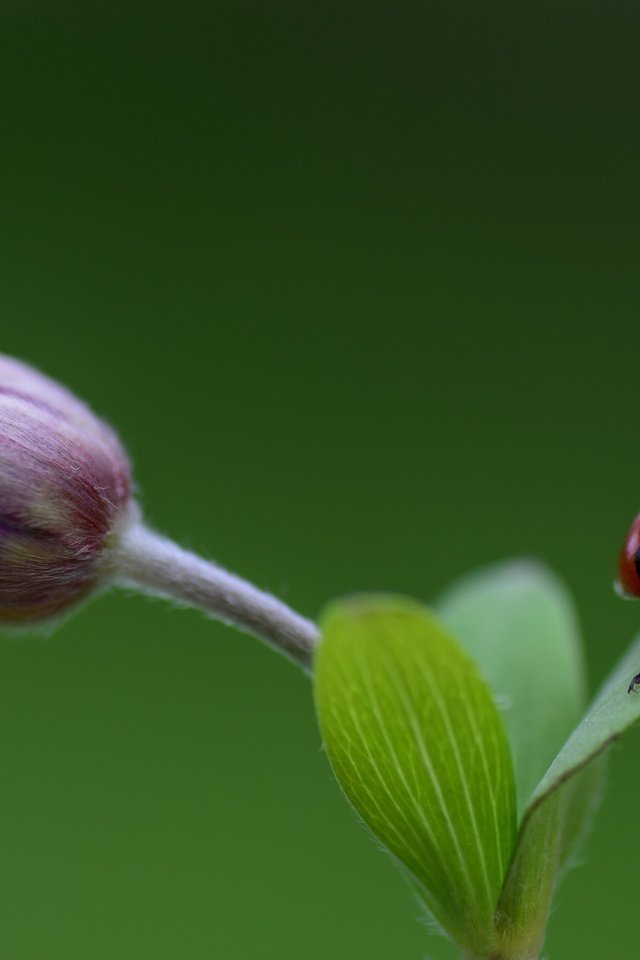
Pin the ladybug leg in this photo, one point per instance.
(635, 683)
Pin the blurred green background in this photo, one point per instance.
(358, 284)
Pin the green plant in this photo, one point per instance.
(458, 734)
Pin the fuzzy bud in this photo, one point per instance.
(65, 489)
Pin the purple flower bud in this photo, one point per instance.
(65, 490)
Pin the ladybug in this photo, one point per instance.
(629, 563)
(628, 584)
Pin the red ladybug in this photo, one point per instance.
(629, 574)
(629, 562)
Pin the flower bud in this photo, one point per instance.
(65, 489)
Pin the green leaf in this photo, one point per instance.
(566, 797)
(582, 796)
(518, 623)
(418, 747)
(612, 712)
(523, 910)
(548, 839)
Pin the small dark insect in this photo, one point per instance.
(635, 683)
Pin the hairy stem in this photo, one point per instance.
(144, 559)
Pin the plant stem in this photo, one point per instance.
(144, 559)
